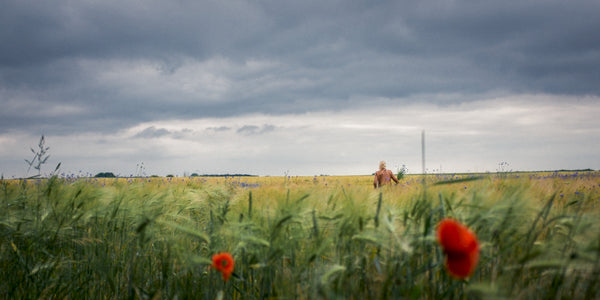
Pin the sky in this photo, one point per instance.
(276, 88)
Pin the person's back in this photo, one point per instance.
(383, 176)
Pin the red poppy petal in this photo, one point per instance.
(224, 263)
(454, 236)
(460, 246)
(462, 265)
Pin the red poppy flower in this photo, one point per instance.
(223, 262)
(461, 248)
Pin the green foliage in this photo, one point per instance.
(292, 238)
(105, 175)
(401, 172)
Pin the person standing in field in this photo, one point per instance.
(383, 176)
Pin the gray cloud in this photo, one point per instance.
(253, 129)
(70, 67)
(531, 132)
(152, 132)
(125, 63)
(219, 129)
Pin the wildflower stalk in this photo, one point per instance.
(376, 219)
(250, 204)
(40, 157)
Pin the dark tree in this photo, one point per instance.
(105, 175)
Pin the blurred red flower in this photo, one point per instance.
(223, 262)
(460, 246)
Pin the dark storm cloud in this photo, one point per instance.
(40, 32)
(71, 66)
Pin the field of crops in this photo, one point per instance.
(324, 237)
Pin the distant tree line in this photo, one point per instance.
(112, 175)
(400, 174)
(105, 175)
(222, 175)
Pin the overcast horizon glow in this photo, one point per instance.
(302, 88)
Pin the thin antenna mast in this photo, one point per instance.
(423, 151)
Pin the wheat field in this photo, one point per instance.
(321, 237)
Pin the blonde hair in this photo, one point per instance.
(381, 165)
